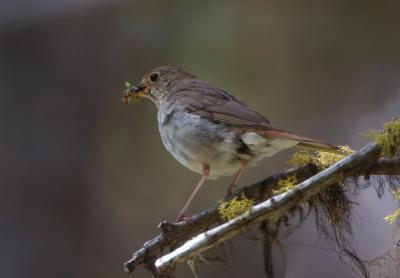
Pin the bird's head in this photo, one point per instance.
(156, 84)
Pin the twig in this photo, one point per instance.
(271, 209)
(174, 234)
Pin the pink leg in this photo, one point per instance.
(236, 177)
(206, 173)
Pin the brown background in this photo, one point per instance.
(84, 180)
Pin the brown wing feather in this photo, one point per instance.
(208, 101)
(217, 105)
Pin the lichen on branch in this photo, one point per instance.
(321, 159)
(234, 207)
(285, 184)
(326, 194)
(388, 139)
(395, 216)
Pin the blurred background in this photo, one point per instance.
(84, 179)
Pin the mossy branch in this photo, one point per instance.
(275, 197)
(174, 234)
(272, 209)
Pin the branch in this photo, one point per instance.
(173, 234)
(271, 209)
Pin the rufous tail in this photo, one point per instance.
(303, 142)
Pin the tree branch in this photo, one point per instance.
(364, 162)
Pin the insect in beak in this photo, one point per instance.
(134, 93)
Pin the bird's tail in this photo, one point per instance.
(302, 141)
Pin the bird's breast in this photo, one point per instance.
(195, 141)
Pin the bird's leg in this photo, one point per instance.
(232, 186)
(206, 173)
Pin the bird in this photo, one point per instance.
(209, 130)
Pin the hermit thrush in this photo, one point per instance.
(209, 130)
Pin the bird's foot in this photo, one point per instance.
(181, 217)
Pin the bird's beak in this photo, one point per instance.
(135, 93)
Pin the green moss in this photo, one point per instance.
(396, 193)
(321, 159)
(235, 207)
(301, 158)
(285, 185)
(388, 139)
(326, 159)
(394, 217)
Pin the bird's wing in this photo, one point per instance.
(203, 99)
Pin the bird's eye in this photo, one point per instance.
(154, 77)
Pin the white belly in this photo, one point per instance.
(194, 141)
